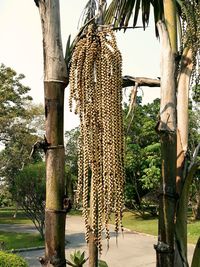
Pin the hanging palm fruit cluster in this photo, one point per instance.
(191, 35)
(96, 88)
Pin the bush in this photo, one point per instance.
(11, 260)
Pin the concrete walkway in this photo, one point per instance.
(130, 250)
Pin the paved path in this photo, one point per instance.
(131, 250)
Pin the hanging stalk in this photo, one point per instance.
(55, 81)
(167, 131)
(93, 235)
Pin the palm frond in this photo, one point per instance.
(88, 12)
(129, 13)
(137, 8)
(145, 12)
(119, 13)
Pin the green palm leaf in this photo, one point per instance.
(121, 12)
(145, 12)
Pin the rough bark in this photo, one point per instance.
(167, 131)
(55, 81)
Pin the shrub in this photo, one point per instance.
(11, 260)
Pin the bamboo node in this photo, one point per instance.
(162, 247)
(55, 147)
(54, 211)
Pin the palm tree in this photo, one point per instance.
(55, 81)
(176, 72)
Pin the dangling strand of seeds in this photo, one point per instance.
(191, 34)
(96, 87)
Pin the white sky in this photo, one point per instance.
(21, 46)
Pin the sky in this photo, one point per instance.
(21, 47)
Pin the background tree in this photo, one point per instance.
(28, 190)
(194, 141)
(13, 99)
(142, 157)
(71, 159)
(21, 124)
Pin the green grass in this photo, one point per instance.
(193, 231)
(20, 240)
(134, 222)
(149, 225)
(6, 216)
(17, 240)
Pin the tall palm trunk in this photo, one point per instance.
(167, 131)
(184, 177)
(55, 81)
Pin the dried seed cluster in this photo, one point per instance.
(96, 87)
(191, 33)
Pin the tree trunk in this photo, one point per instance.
(196, 256)
(167, 131)
(182, 144)
(55, 81)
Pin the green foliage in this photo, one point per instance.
(11, 260)
(77, 259)
(102, 263)
(151, 168)
(196, 93)
(142, 159)
(13, 99)
(5, 197)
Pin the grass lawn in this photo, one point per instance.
(17, 240)
(149, 225)
(6, 216)
(20, 240)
